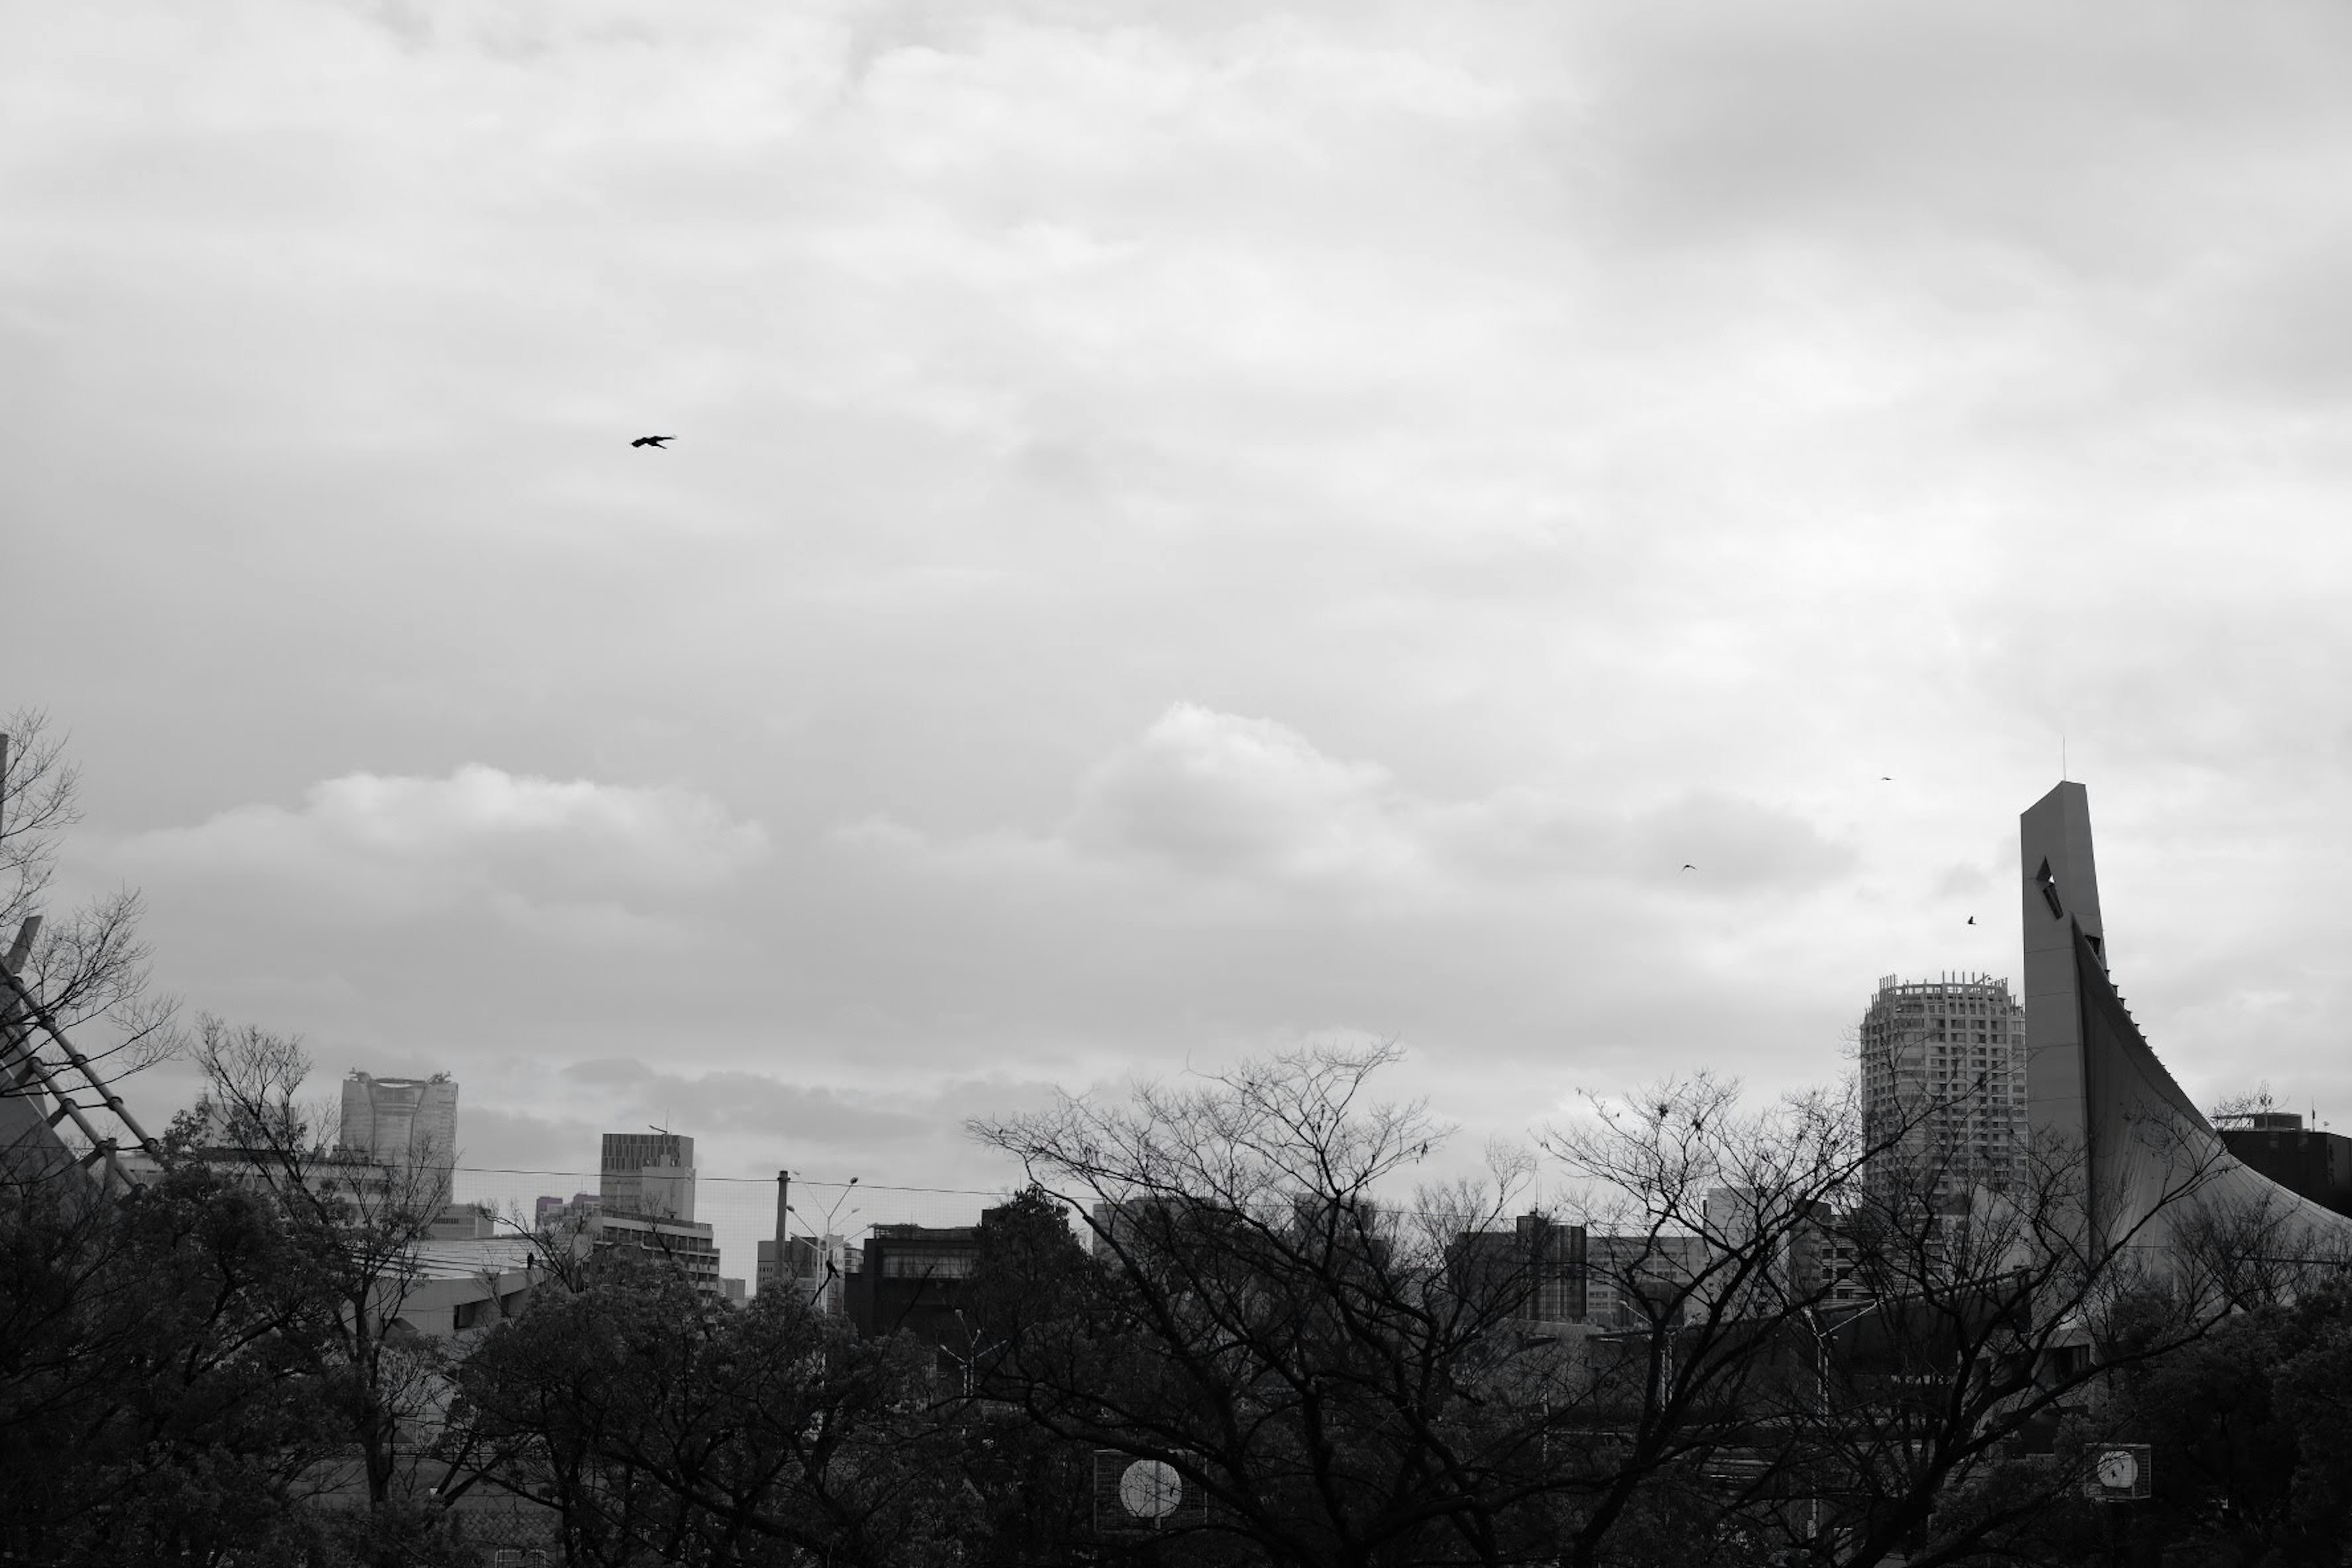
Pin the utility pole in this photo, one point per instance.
(783, 1210)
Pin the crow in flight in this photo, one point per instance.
(652, 441)
(1688, 867)
(1972, 919)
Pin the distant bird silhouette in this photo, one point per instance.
(1688, 867)
(1972, 919)
(652, 441)
(1886, 778)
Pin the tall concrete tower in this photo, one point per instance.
(2139, 1160)
(2060, 894)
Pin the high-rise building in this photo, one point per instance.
(1944, 1083)
(404, 1122)
(649, 1175)
(407, 1125)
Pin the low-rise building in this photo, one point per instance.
(462, 1222)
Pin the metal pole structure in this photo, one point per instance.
(13, 1026)
(55, 1031)
(18, 1005)
(22, 1071)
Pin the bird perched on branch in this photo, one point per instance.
(652, 441)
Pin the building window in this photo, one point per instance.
(929, 1265)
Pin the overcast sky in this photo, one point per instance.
(1192, 527)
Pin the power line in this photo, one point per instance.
(862, 1186)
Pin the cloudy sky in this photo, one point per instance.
(1193, 527)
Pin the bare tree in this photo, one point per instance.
(659, 1424)
(359, 1221)
(1861, 1359)
(1794, 1336)
(1319, 1355)
(87, 965)
(2239, 1108)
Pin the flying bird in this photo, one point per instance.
(652, 441)
(1972, 919)
(1688, 867)
(1886, 778)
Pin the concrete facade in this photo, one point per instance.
(2059, 895)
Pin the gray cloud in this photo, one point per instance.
(1512, 454)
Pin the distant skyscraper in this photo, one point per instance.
(409, 1124)
(649, 1175)
(1943, 1081)
(401, 1120)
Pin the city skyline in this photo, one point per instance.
(1187, 533)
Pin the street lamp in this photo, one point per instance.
(1822, 1333)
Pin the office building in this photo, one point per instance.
(650, 1174)
(682, 1243)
